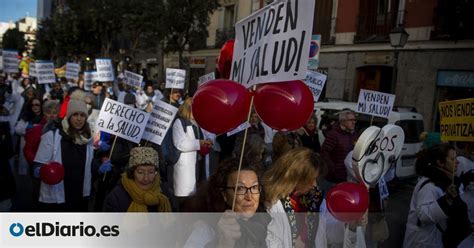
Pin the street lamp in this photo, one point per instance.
(398, 39)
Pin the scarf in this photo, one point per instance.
(141, 199)
(81, 139)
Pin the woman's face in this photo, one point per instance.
(302, 189)
(248, 192)
(451, 164)
(144, 176)
(36, 106)
(50, 114)
(78, 120)
(254, 119)
(311, 124)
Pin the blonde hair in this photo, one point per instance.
(185, 110)
(297, 166)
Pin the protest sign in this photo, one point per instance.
(133, 79)
(375, 103)
(315, 82)
(175, 78)
(72, 71)
(33, 72)
(160, 122)
(206, 78)
(457, 120)
(122, 120)
(1, 62)
(105, 70)
(10, 61)
(313, 62)
(89, 78)
(273, 43)
(45, 72)
(241, 127)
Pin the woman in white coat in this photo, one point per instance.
(71, 145)
(189, 141)
(435, 203)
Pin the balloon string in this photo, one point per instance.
(110, 156)
(243, 150)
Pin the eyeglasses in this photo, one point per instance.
(146, 173)
(242, 190)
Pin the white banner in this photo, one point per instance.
(241, 127)
(72, 71)
(175, 78)
(45, 72)
(89, 78)
(315, 82)
(206, 78)
(32, 70)
(160, 122)
(133, 79)
(272, 44)
(375, 103)
(122, 120)
(10, 61)
(105, 70)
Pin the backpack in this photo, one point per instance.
(170, 152)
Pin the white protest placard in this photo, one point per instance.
(45, 72)
(272, 44)
(206, 78)
(72, 71)
(160, 122)
(122, 120)
(104, 69)
(315, 82)
(32, 70)
(133, 79)
(89, 78)
(375, 103)
(175, 78)
(241, 127)
(314, 48)
(1, 62)
(10, 61)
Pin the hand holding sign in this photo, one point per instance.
(220, 105)
(284, 106)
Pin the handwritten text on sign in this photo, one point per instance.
(33, 69)
(133, 79)
(105, 70)
(375, 103)
(89, 78)
(72, 71)
(160, 122)
(272, 45)
(175, 78)
(45, 72)
(457, 120)
(206, 78)
(122, 120)
(315, 82)
(10, 61)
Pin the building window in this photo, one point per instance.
(376, 19)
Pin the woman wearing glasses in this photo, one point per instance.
(139, 188)
(239, 228)
(293, 198)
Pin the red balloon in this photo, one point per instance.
(284, 106)
(221, 105)
(348, 201)
(224, 61)
(52, 173)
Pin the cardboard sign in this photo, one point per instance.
(89, 78)
(241, 127)
(72, 71)
(315, 46)
(315, 82)
(10, 61)
(45, 72)
(105, 70)
(122, 120)
(272, 44)
(133, 79)
(32, 70)
(160, 121)
(375, 103)
(175, 78)
(206, 78)
(374, 152)
(457, 120)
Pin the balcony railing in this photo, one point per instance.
(375, 27)
(224, 34)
